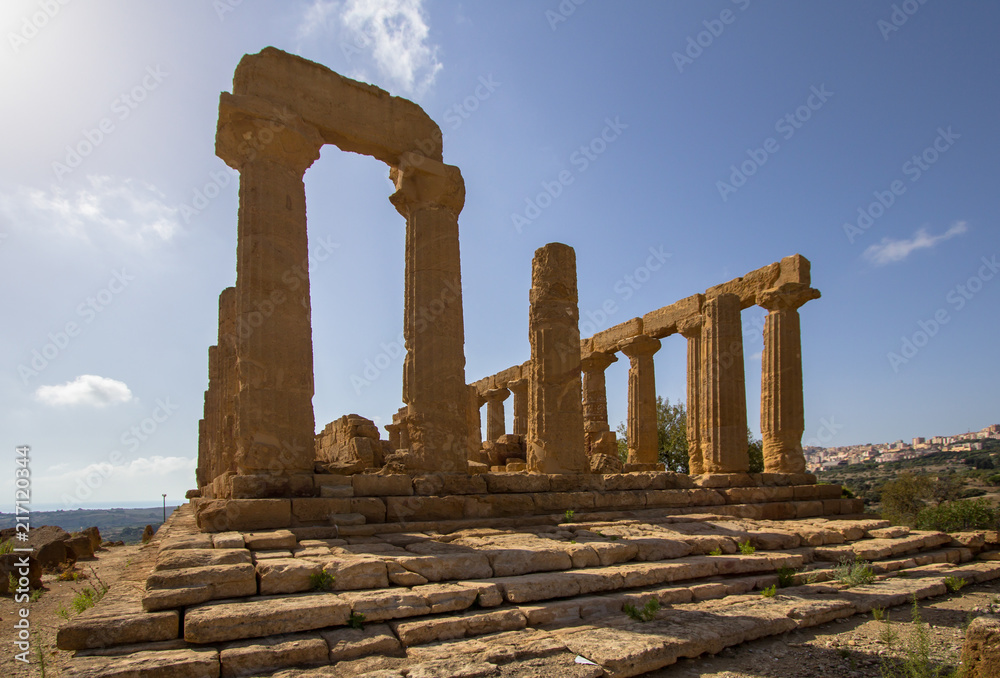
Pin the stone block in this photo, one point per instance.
(371, 485)
(346, 644)
(243, 514)
(517, 482)
(372, 508)
(286, 575)
(228, 540)
(805, 492)
(621, 500)
(263, 655)
(186, 663)
(270, 486)
(318, 509)
(273, 539)
(655, 498)
(411, 509)
(185, 558)
(387, 604)
(557, 502)
(266, 616)
(808, 509)
(607, 340)
(82, 633)
(505, 505)
(359, 572)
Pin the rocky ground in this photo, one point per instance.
(108, 566)
(854, 647)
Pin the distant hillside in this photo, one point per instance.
(120, 524)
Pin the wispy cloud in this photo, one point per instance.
(888, 250)
(87, 389)
(132, 480)
(394, 32)
(127, 210)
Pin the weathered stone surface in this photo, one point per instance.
(371, 485)
(257, 617)
(87, 632)
(387, 604)
(347, 643)
(555, 441)
(642, 435)
(166, 589)
(193, 663)
(275, 539)
(253, 657)
(285, 575)
(50, 545)
(357, 572)
(228, 540)
(243, 514)
(185, 558)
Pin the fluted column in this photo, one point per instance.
(229, 380)
(723, 393)
(430, 195)
(495, 425)
(519, 388)
(555, 407)
(690, 329)
(275, 424)
(643, 445)
(475, 419)
(782, 418)
(598, 437)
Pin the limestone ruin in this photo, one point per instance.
(435, 553)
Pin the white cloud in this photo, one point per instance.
(87, 389)
(135, 480)
(889, 250)
(127, 210)
(393, 32)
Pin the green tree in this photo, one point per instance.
(904, 496)
(755, 448)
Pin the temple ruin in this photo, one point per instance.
(433, 552)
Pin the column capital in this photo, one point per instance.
(690, 327)
(428, 184)
(641, 345)
(518, 385)
(597, 361)
(788, 296)
(251, 128)
(496, 394)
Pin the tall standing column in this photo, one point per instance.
(723, 393)
(229, 379)
(643, 444)
(782, 419)
(519, 387)
(555, 408)
(275, 425)
(495, 424)
(690, 329)
(597, 433)
(430, 195)
(475, 418)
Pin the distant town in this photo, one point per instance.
(826, 458)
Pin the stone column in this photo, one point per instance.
(226, 422)
(275, 425)
(723, 400)
(475, 417)
(643, 444)
(690, 329)
(430, 196)
(782, 419)
(597, 433)
(213, 399)
(519, 387)
(555, 409)
(495, 424)
(393, 431)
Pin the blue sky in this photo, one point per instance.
(718, 136)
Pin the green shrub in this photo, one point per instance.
(356, 620)
(717, 551)
(321, 581)
(915, 660)
(958, 516)
(7, 547)
(746, 548)
(786, 576)
(954, 584)
(568, 516)
(770, 591)
(645, 613)
(857, 573)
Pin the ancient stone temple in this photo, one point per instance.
(434, 552)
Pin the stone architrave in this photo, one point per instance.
(495, 413)
(690, 329)
(598, 437)
(271, 149)
(642, 432)
(782, 418)
(519, 389)
(723, 393)
(430, 195)
(555, 408)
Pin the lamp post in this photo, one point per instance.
(164, 508)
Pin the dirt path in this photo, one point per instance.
(109, 566)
